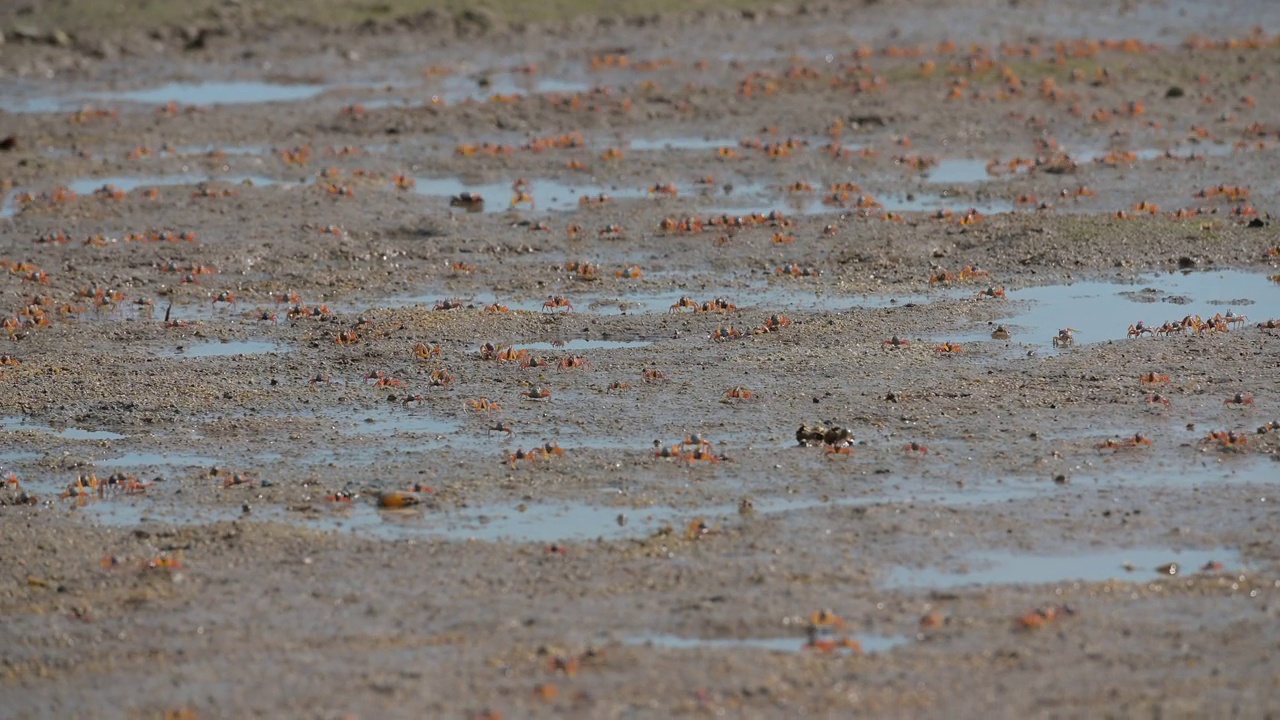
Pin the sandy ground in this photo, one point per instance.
(235, 561)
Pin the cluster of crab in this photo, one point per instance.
(545, 451)
(88, 484)
(694, 448)
(1191, 324)
(835, 438)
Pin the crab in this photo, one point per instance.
(1065, 337)
(348, 337)
(1239, 399)
(1227, 438)
(738, 393)
(992, 292)
(537, 392)
(496, 308)
(472, 202)
(393, 499)
(226, 296)
(775, 323)
(483, 404)
(510, 354)
(1233, 319)
(557, 301)
(894, 343)
(631, 272)
(915, 447)
(382, 380)
(695, 440)
(519, 454)
(611, 232)
(534, 362)
(652, 375)
(521, 197)
(425, 351)
(728, 332)
(1153, 378)
(1140, 329)
(449, 304)
(949, 348)
(502, 426)
(1138, 439)
(664, 452)
(1000, 333)
(571, 362)
(685, 302)
(441, 378)
(1158, 399)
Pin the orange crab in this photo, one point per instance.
(1239, 399)
(1137, 440)
(895, 343)
(557, 301)
(775, 323)
(685, 302)
(738, 393)
(726, 332)
(652, 375)
(572, 362)
(425, 351)
(992, 292)
(631, 272)
(1153, 378)
(382, 380)
(483, 404)
(949, 348)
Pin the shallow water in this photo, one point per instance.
(1005, 568)
(548, 195)
(17, 424)
(157, 459)
(957, 171)
(870, 643)
(85, 186)
(233, 92)
(223, 349)
(1102, 311)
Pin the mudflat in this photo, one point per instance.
(884, 359)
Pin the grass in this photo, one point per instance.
(106, 17)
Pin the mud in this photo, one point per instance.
(238, 560)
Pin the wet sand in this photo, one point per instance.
(236, 340)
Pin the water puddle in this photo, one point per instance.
(384, 421)
(1210, 472)
(17, 456)
(547, 523)
(485, 87)
(17, 424)
(1097, 155)
(547, 195)
(957, 172)
(212, 93)
(157, 459)
(679, 143)
(85, 186)
(1101, 311)
(1007, 568)
(869, 643)
(746, 199)
(185, 93)
(580, 344)
(223, 349)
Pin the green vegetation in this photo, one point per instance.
(113, 16)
